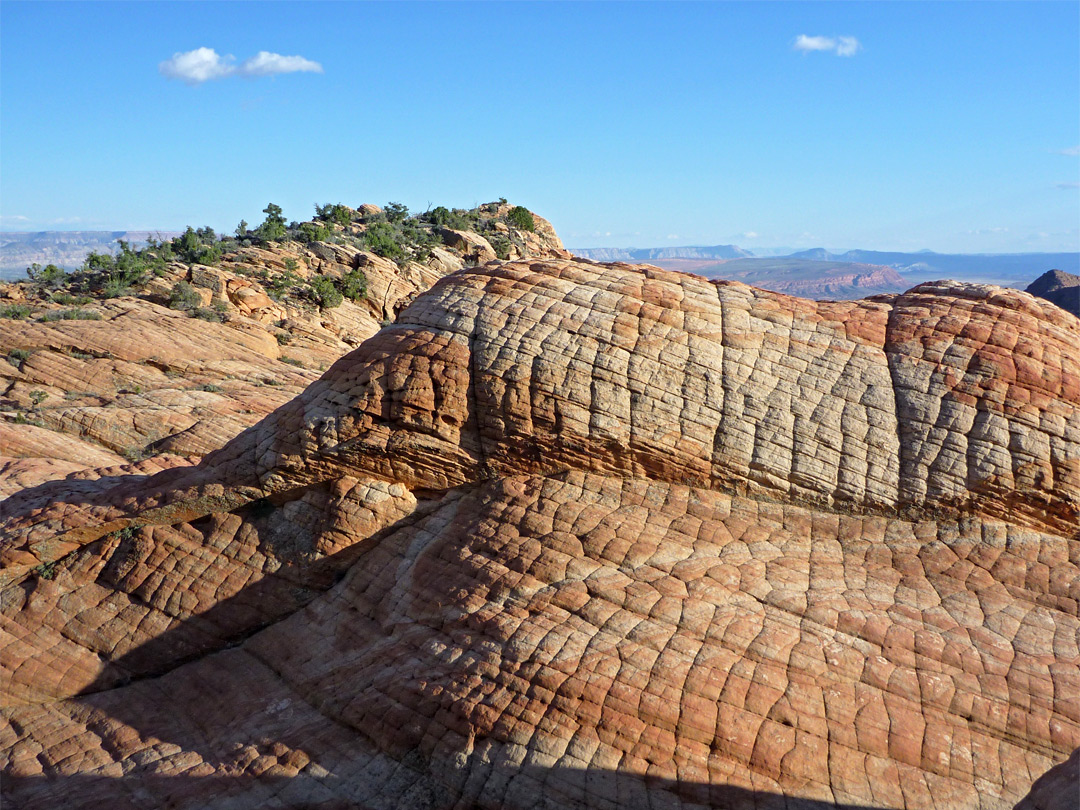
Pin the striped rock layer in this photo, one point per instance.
(582, 535)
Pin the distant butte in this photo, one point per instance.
(1059, 287)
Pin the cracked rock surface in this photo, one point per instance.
(582, 535)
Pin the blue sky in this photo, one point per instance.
(949, 126)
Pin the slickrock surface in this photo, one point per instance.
(580, 535)
(147, 379)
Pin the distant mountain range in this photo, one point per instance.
(819, 273)
(651, 254)
(1007, 269)
(67, 249)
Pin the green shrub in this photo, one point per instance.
(15, 312)
(501, 245)
(48, 276)
(70, 315)
(198, 246)
(184, 297)
(37, 397)
(313, 232)
(354, 285)
(338, 213)
(134, 454)
(45, 570)
(521, 218)
(381, 239)
(292, 361)
(213, 389)
(69, 300)
(273, 227)
(283, 338)
(439, 216)
(18, 356)
(395, 212)
(325, 293)
(214, 314)
(115, 288)
(277, 286)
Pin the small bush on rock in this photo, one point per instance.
(325, 293)
(520, 217)
(15, 312)
(70, 315)
(184, 297)
(354, 285)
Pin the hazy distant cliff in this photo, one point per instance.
(649, 254)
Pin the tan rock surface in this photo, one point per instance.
(103, 380)
(578, 535)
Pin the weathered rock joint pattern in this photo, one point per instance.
(582, 535)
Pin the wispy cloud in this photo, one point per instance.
(750, 235)
(204, 64)
(14, 218)
(1068, 185)
(841, 46)
(1072, 151)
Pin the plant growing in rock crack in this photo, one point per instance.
(325, 293)
(70, 315)
(47, 570)
(184, 297)
(18, 356)
(37, 397)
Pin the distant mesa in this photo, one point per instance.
(651, 254)
(1060, 288)
(851, 274)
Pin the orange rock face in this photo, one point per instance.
(579, 535)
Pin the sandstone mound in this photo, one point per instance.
(90, 381)
(580, 535)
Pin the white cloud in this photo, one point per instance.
(197, 66)
(204, 64)
(841, 46)
(750, 235)
(14, 217)
(847, 46)
(672, 236)
(1072, 151)
(805, 43)
(265, 63)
